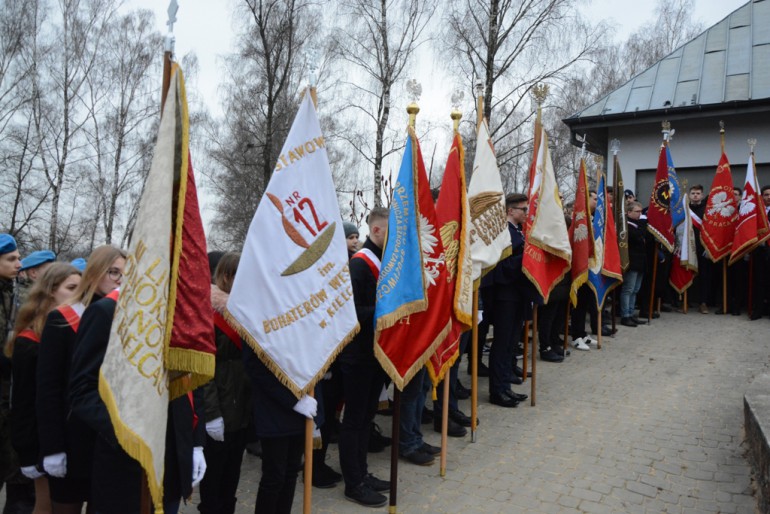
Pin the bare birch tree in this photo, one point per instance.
(378, 39)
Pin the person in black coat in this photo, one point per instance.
(54, 287)
(65, 442)
(508, 296)
(362, 376)
(637, 258)
(116, 477)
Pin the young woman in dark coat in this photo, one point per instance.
(228, 402)
(66, 443)
(54, 287)
(116, 479)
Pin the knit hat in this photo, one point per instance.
(350, 229)
(7, 243)
(628, 193)
(37, 258)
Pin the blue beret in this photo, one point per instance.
(80, 264)
(7, 243)
(37, 258)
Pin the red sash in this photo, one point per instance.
(370, 259)
(70, 316)
(114, 294)
(192, 406)
(29, 334)
(221, 323)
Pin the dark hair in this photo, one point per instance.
(514, 198)
(764, 188)
(214, 257)
(738, 189)
(697, 187)
(378, 213)
(225, 272)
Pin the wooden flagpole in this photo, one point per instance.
(750, 300)
(524, 372)
(394, 451)
(724, 259)
(475, 312)
(475, 365)
(655, 249)
(535, 343)
(145, 500)
(444, 424)
(307, 496)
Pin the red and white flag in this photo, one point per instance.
(752, 228)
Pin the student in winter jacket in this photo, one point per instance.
(65, 442)
(56, 285)
(227, 401)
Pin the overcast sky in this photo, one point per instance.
(205, 27)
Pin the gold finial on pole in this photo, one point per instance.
(456, 115)
(415, 90)
(722, 134)
(539, 94)
(752, 143)
(667, 131)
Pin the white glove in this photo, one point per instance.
(199, 465)
(307, 406)
(216, 429)
(32, 472)
(56, 464)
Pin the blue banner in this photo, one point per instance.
(675, 194)
(401, 277)
(598, 281)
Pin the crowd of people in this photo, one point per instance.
(58, 451)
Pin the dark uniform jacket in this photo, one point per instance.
(507, 282)
(364, 285)
(116, 476)
(23, 417)
(637, 245)
(58, 431)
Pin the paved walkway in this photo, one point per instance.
(652, 423)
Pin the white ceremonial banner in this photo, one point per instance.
(292, 299)
(490, 240)
(133, 379)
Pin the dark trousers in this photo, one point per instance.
(362, 383)
(281, 462)
(465, 343)
(760, 290)
(550, 323)
(223, 471)
(508, 320)
(586, 304)
(412, 404)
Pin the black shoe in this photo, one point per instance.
(460, 418)
(551, 356)
(375, 484)
(665, 308)
(462, 392)
(366, 496)
(515, 380)
(325, 477)
(429, 448)
(377, 441)
(627, 322)
(606, 331)
(418, 457)
(517, 371)
(516, 396)
(427, 416)
(559, 350)
(638, 321)
(502, 401)
(755, 316)
(452, 429)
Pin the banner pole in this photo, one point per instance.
(524, 366)
(444, 424)
(724, 285)
(599, 327)
(475, 365)
(535, 348)
(394, 451)
(612, 310)
(566, 327)
(145, 505)
(684, 307)
(750, 299)
(307, 501)
(654, 278)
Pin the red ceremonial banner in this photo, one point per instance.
(720, 215)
